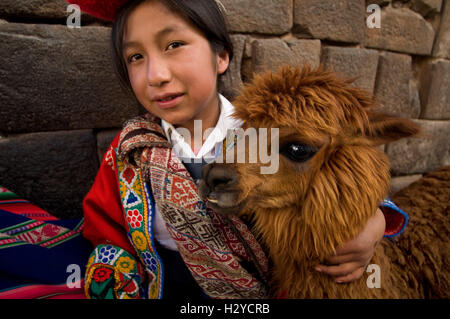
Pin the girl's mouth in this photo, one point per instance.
(169, 100)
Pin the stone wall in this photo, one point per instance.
(60, 103)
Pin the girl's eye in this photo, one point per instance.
(134, 58)
(174, 45)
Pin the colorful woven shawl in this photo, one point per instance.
(40, 256)
(214, 248)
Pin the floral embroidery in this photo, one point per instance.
(134, 218)
(130, 287)
(102, 274)
(125, 264)
(139, 240)
(128, 175)
(150, 261)
(106, 254)
(91, 260)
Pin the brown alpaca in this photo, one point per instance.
(426, 239)
(330, 180)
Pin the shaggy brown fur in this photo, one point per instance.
(308, 208)
(425, 241)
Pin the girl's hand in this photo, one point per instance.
(352, 257)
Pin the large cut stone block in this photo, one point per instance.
(259, 16)
(53, 170)
(270, 54)
(40, 10)
(336, 20)
(56, 78)
(435, 90)
(392, 87)
(55, 9)
(423, 154)
(401, 30)
(353, 63)
(441, 47)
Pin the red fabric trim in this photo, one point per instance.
(104, 221)
(45, 291)
(26, 209)
(394, 221)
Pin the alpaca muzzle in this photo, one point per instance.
(219, 188)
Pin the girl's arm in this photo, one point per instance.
(113, 271)
(352, 258)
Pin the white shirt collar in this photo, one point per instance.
(225, 122)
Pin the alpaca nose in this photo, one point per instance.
(218, 176)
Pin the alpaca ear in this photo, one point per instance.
(384, 128)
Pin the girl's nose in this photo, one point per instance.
(158, 73)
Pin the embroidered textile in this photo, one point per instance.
(41, 256)
(221, 253)
(210, 244)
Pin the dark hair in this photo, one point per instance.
(203, 14)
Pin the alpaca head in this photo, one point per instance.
(331, 176)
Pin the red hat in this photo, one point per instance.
(103, 9)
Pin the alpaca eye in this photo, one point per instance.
(298, 152)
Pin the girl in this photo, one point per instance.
(153, 235)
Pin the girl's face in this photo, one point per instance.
(172, 68)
